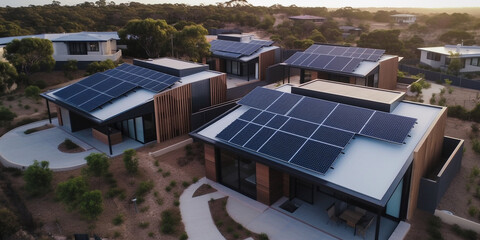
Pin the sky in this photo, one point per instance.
(305, 3)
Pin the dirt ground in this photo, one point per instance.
(457, 199)
(54, 217)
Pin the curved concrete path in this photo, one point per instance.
(19, 150)
(253, 215)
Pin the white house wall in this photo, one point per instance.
(470, 68)
(431, 63)
(105, 49)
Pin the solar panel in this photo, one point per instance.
(284, 103)
(260, 98)
(293, 58)
(259, 139)
(282, 146)
(93, 79)
(316, 156)
(159, 87)
(338, 51)
(95, 102)
(263, 118)
(277, 121)
(120, 89)
(333, 136)
(245, 134)
(245, 49)
(226, 54)
(250, 114)
(299, 127)
(352, 65)
(313, 110)
(82, 97)
(348, 117)
(320, 62)
(261, 42)
(107, 84)
(232, 129)
(69, 91)
(388, 127)
(338, 63)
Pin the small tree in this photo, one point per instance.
(97, 163)
(8, 75)
(71, 191)
(8, 223)
(455, 64)
(6, 115)
(38, 178)
(69, 68)
(416, 88)
(130, 160)
(95, 67)
(91, 204)
(32, 92)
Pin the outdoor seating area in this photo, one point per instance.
(355, 217)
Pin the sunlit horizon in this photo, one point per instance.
(432, 4)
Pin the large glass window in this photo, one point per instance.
(433, 56)
(139, 129)
(77, 48)
(93, 47)
(394, 204)
(238, 173)
(475, 62)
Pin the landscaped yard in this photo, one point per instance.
(120, 219)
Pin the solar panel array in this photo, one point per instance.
(307, 132)
(261, 42)
(333, 58)
(366, 54)
(100, 88)
(233, 49)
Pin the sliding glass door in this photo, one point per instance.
(238, 173)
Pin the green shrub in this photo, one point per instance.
(168, 188)
(97, 163)
(6, 115)
(170, 219)
(69, 68)
(26, 106)
(476, 145)
(144, 225)
(459, 112)
(195, 179)
(465, 234)
(472, 211)
(118, 219)
(166, 174)
(185, 184)
(184, 236)
(91, 204)
(130, 160)
(103, 66)
(113, 192)
(173, 183)
(8, 222)
(69, 144)
(38, 178)
(144, 188)
(475, 113)
(151, 234)
(70, 191)
(176, 203)
(442, 101)
(263, 236)
(416, 88)
(433, 228)
(32, 92)
(424, 84)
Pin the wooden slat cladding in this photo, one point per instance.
(425, 154)
(269, 184)
(387, 76)
(210, 166)
(265, 60)
(172, 112)
(59, 115)
(218, 89)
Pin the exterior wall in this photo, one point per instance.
(388, 74)
(59, 115)
(265, 60)
(425, 154)
(353, 80)
(210, 166)
(269, 184)
(218, 89)
(172, 112)
(432, 63)
(115, 138)
(470, 68)
(66, 119)
(286, 185)
(60, 53)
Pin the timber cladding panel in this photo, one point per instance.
(210, 166)
(59, 115)
(265, 60)
(269, 184)
(387, 76)
(173, 109)
(218, 89)
(428, 150)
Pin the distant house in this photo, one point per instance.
(85, 47)
(350, 30)
(404, 18)
(360, 66)
(242, 56)
(325, 150)
(306, 18)
(150, 100)
(439, 57)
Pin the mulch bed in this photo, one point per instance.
(226, 225)
(204, 189)
(64, 149)
(32, 130)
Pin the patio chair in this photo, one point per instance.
(363, 225)
(332, 216)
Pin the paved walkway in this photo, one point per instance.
(251, 214)
(428, 92)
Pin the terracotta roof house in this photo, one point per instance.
(85, 47)
(242, 56)
(150, 100)
(354, 65)
(404, 18)
(439, 57)
(327, 151)
(311, 18)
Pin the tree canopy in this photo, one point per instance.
(382, 39)
(97, 163)
(8, 75)
(38, 178)
(149, 35)
(190, 42)
(30, 54)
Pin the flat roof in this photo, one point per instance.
(369, 166)
(67, 37)
(174, 63)
(354, 91)
(464, 51)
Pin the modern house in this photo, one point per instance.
(327, 151)
(348, 31)
(439, 57)
(308, 18)
(150, 100)
(242, 56)
(354, 65)
(404, 18)
(85, 47)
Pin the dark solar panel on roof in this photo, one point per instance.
(293, 58)
(277, 121)
(316, 156)
(333, 136)
(82, 97)
(263, 118)
(260, 98)
(259, 139)
(95, 102)
(231, 130)
(348, 117)
(299, 127)
(282, 146)
(120, 89)
(320, 62)
(313, 110)
(245, 134)
(284, 103)
(388, 127)
(69, 91)
(250, 114)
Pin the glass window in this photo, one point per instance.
(139, 129)
(393, 205)
(93, 46)
(131, 128)
(229, 169)
(77, 48)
